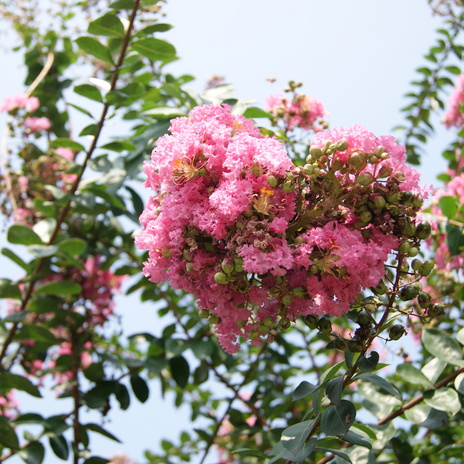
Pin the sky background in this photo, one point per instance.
(357, 57)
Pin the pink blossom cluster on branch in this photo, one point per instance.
(454, 115)
(259, 241)
(298, 111)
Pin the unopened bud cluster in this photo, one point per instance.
(260, 242)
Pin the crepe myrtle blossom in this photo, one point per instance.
(297, 110)
(34, 124)
(259, 241)
(454, 116)
(20, 101)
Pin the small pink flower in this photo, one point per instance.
(454, 115)
(34, 124)
(65, 153)
(19, 101)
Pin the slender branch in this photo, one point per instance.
(65, 211)
(45, 70)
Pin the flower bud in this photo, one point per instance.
(264, 329)
(324, 325)
(396, 331)
(399, 176)
(272, 181)
(341, 145)
(340, 344)
(337, 165)
(203, 313)
(427, 268)
(256, 169)
(214, 319)
(238, 264)
(288, 187)
(268, 320)
(379, 202)
(385, 171)
(166, 253)
(287, 300)
(227, 266)
(373, 160)
(394, 197)
(380, 150)
(311, 321)
(365, 179)
(299, 292)
(404, 248)
(308, 169)
(435, 310)
(220, 278)
(284, 323)
(413, 251)
(364, 319)
(355, 346)
(253, 335)
(315, 152)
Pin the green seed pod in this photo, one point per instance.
(423, 230)
(413, 251)
(238, 264)
(435, 310)
(227, 266)
(404, 248)
(203, 313)
(220, 278)
(311, 321)
(214, 319)
(264, 329)
(424, 300)
(268, 320)
(324, 325)
(364, 319)
(253, 335)
(379, 202)
(394, 197)
(396, 331)
(365, 217)
(272, 181)
(427, 267)
(417, 265)
(355, 346)
(299, 292)
(409, 292)
(340, 344)
(284, 323)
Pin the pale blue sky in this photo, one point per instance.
(357, 56)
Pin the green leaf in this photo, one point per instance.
(459, 383)
(37, 333)
(337, 420)
(23, 235)
(433, 369)
(295, 436)
(444, 399)
(201, 373)
(336, 452)
(96, 460)
(8, 436)
(356, 439)
(369, 363)
(95, 48)
(380, 382)
(122, 395)
(250, 452)
(59, 446)
(412, 375)
(108, 25)
(17, 316)
(119, 146)
(33, 454)
(303, 390)
(139, 387)
(89, 91)
(439, 344)
(455, 239)
(9, 290)
(91, 129)
(59, 287)
(453, 70)
(424, 415)
(99, 395)
(95, 372)
(45, 228)
(334, 390)
(99, 429)
(15, 258)
(180, 370)
(155, 49)
(402, 449)
(42, 251)
(254, 112)
(159, 27)
(9, 381)
(122, 5)
(73, 246)
(67, 143)
(449, 206)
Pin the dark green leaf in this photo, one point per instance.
(336, 452)
(453, 70)
(73, 246)
(122, 395)
(402, 450)
(122, 5)
(369, 363)
(33, 454)
(91, 129)
(99, 429)
(95, 48)
(119, 146)
(355, 439)
(59, 287)
(159, 27)
(23, 235)
(455, 239)
(439, 344)
(95, 372)
(37, 333)
(17, 316)
(295, 436)
(337, 420)
(334, 390)
(413, 375)
(155, 49)
(96, 460)
(99, 395)
(139, 387)
(253, 112)
(444, 399)
(304, 389)
(108, 25)
(250, 452)
(15, 258)
(59, 446)
(8, 436)
(380, 382)
(9, 290)
(89, 91)
(19, 382)
(180, 370)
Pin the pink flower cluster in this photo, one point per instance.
(34, 124)
(258, 241)
(454, 115)
(299, 111)
(20, 101)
